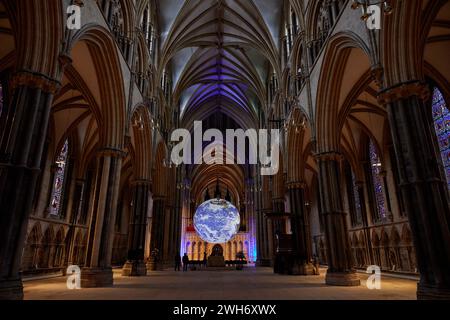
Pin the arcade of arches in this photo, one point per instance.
(86, 118)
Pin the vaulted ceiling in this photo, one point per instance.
(219, 53)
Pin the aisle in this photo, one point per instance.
(252, 284)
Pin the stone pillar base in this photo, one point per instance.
(302, 269)
(11, 289)
(345, 279)
(166, 265)
(154, 266)
(96, 277)
(135, 268)
(432, 293)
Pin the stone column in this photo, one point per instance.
(259, 237)
(264, 250)
(270, 237)
(176, 243)
(279, 224)
(260, 229)
(175, 240)
(135, 265)
(301, 234)
(169, 233)
(422, 185)
(266, 206)
(340, 263)
(179, 215)
(368, 241)
(157, 234)
(268, 244)
(74, 216)
(97, 271)
(21, 147)
(185, 213)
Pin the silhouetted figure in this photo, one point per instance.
(205, 260)
(177, 262)
(185, 262)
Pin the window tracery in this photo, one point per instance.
(441, 118)
(59, 180)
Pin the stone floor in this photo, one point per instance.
(250, 284)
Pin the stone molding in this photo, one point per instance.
(403, 91)
(35, 80)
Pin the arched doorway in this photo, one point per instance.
(217, 251)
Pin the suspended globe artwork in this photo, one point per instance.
(216, 221)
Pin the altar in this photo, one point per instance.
(216, 259)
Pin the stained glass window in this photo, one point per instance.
(441, 117)
(377, 180)
(1, 99)
(357, 200)
(58, 180)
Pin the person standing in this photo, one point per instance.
(205, 260)
(185, 262)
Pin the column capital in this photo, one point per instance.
(141, 182)
(159, 198)
(329, 156)
(35, 80)
(112, 152)
(404, 90)
(377, 73)
(296, 185)
(65, 60)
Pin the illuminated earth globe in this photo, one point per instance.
(216, 221)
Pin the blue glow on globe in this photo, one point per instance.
(217, 221)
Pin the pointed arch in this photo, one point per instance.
(110, 79)
(328, 93)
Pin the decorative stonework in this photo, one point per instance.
(329, 156)
(65, 60)
(297, 185)
(377, 75)
(134, 269)
(112, 152)
(35, 80)
(404, 91)
(141, 183)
